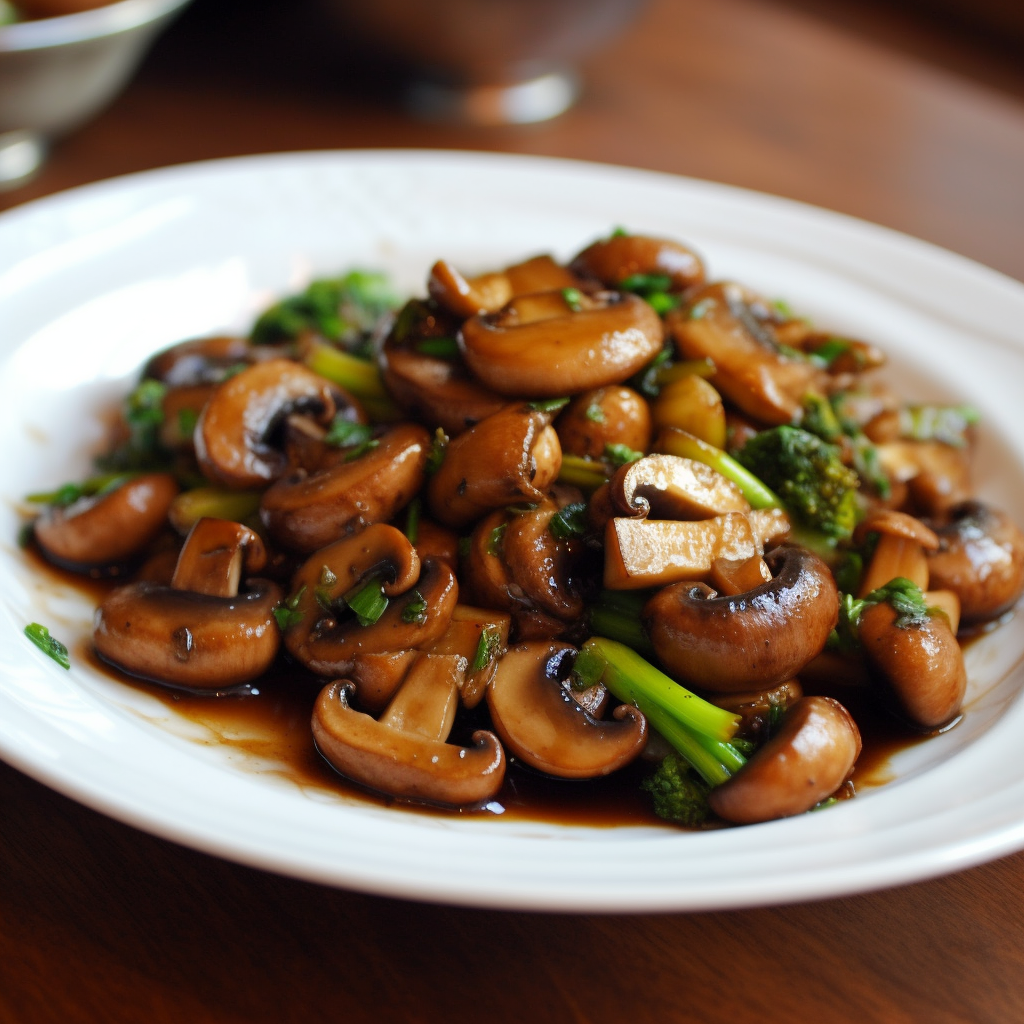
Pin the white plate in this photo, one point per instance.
(93, 280)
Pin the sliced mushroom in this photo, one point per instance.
(101, 532)
(509, 458)
(642, 553)
(306, 511)
(199, 361)
(329, 640)
(980, 558)
(719, 322)
(750, 641)
(615, 259)
(542, 724)
(672, 487)
(486, 293)
(805, 762)
(541, 346)
(479, 635)
(404, 753)
(200, 632)
(921, 662)
(692, 403)
(901, 549)
(233, 438)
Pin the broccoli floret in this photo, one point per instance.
(808, 474)
(342, 309)
(678, 793)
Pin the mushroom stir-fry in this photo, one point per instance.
(576, 516)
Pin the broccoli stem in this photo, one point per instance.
(358, 376)
(616, 614)
(673, 441)
(698, 730)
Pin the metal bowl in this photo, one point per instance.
(487, 61)
(56, 73)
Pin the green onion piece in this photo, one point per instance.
(569, 522)
(645, 284)
(368, 601)
(415, 610)
(440, 348)
(357, 376)
(438, 448)
(549, 404)
(495, 540)
(486, 649)
(621, 454)
(49, 645)
(344, 433)
(594, 413)
(829, 351)
(69, 493)
(287, 613)
(412, 520)
(360, 450)
(573, 298)
(587, 474)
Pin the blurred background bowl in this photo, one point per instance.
(56, 73)
(487, 61)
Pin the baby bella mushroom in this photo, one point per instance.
(202, 631)
(404, 752)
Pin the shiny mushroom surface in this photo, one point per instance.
(551, 521)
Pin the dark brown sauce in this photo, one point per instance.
(270, 720)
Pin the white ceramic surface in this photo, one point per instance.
(93, 280)
(56, 73)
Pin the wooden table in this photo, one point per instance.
(99, 922)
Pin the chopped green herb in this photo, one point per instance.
(343, 433)
(495, 540)
(368, 601)
(441, 348)
(412, 520)
(415, 610)
(49, 645)
(360, 450)
(573, 298)
(621, 454)
(486, 649)
(287, 613)
(569, 522)
(594, 413)
(549, 404)
(438, 448)
(645, 284)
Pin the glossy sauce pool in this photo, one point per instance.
(270, 720)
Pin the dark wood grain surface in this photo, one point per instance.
(837, 105)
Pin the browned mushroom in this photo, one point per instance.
(200, 632)
(718, 322)
(308, 510)
(404, 753)
(542, 724)
(641, 553)
(233, 438)
(329, 639)
(805, 762)
(479, 635)
(509, 458)
(749, 641)
(621, 256)
(920, 661)
(673, 487)
(900, 551)
(545, 346)
(613, 415)
(465, 297)
(100, 532)
(980, 558)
